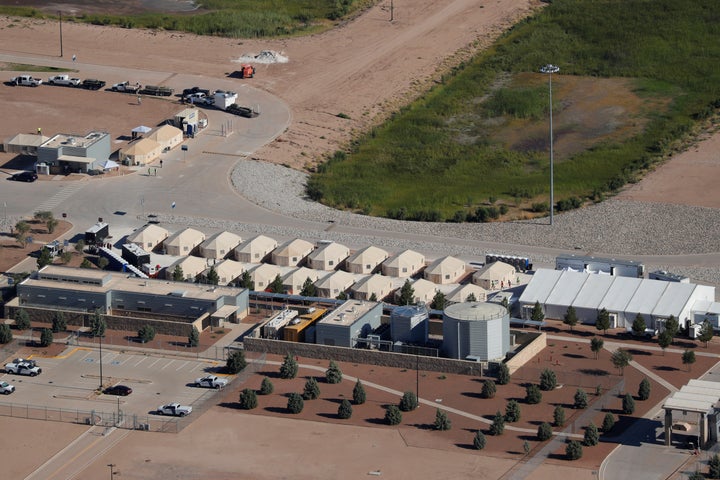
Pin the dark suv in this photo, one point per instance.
(24, 177)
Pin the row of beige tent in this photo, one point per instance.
(148, 149)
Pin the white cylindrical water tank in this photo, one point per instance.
(476, 329)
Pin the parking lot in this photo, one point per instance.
(70, 381)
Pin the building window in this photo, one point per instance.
(294, 259)
(144, 309)
(404, 270)
(368, 267)
(185, 248)
(331, 262)
(257, 255)
(447, 277)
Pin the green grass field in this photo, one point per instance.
(636, 77)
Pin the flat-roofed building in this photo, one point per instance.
(352, 320)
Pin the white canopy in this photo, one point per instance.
(141, 129)
(109, 164)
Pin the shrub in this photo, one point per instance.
(333, 374)
(236, 362)
(714, 464)
(544, 431)
(573, 451)
(644, 389)
(289, 367)
(608, 422)
(194, 337)
(581, 400)
(46, 337)
(393, 415)
(591, 437)
(479, 441)
(512, 411)
(503, 374)
(533, 395)
(6, 335)
(488, 389)
(408, 402)
(146, 333)
(312, 389)
(548, 380)
(559, 416)
(248, 399)
(498, 425)
(358, 393)
(628, 404)
(266, 387)
(442, 422)
(58, 323)
(345, 409)
(295, 403)
(22, 319)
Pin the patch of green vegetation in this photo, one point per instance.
(432, 158)
(24, 67)
(228, 18)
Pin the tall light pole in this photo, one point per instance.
(112, 472)
(101, 376)
(550, 69)
(61, 46)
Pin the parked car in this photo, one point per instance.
(210, 381)
(93, 84)
(23, 369)
(64, 80)
(126, 87)
(118, 390)
(24, 177)
(32, 363)
(6, 388)
(174, 409)
(189, 91)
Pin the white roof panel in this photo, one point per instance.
(540, 286)
(647, 296)
(674, 299)
(619, 294)
(566, 288)
(593, 291)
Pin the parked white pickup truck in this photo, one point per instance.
(26, 81)
(64, 80)
(126, 87)
(174, 409)
(23, 369)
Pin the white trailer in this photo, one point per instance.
(223, 99)
(275, 324)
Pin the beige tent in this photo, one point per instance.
(148, 237)
(423, 291)
(219, 245)
(293, 282)
(292, 253)
(191, 267)
(404, 264)
(255, 250)
(366, 261)
(142, 152)
(379, 285)
(24, 143)
(461, 293)
(495, 275)
(184, 241)
(263, 275)
(331, 285)
(227, 270)
(328, 256)
(445, 270)
(167, 136)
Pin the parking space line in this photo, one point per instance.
(141, 360)
(181, 366)
(83, 357)
(153, 363)
(168, 364)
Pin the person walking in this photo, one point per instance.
(139, 100)
(74, 57)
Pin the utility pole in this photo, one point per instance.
(392, 10)
(61, 46)
(101, 376)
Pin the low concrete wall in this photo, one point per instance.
(530, 349)
(359, 355)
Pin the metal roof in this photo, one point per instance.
(540, 286)
(593, 291)
(566, 289)
(647, 296)
(698, 396)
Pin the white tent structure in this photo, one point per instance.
(328, 256)
(142, 152)
(219, 245)
(292, 253)
(423, 291)
(227, 270)
(167, 136)
(495, 275)
(331, 285)
(461, 293)
(148, 237)
(191, 268)
(379, 285)
(184, 241)
(263, 275)
(404, 264)
(366, 260)
(445, 270)
(293, 282)
(255, 250)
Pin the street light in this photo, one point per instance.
(101, 376)
(550, 69)
(112, 472)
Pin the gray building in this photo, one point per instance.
(476, 331)
(64, 153)
(409, 324)
(352, 320)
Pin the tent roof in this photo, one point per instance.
(337, 279)
(164, 133)
(149, 232)
(142, 147)
(372, 255)
(403, 258)
(221, 239)
(371, 283)
(141, 129)
(445, 265)
(540, 286)
(261, 242)
(494, 270)
(461, 293)
(296, 247)
(330, 251)
(188, 234)
(300, 274)
(27, 140)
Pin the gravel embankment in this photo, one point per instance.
(614, 227)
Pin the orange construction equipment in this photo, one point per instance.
(247, 71)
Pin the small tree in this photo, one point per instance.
(479, 441)
(472, 298)
(22, 229)
(498, 425)
(706, 332)
(596, 344)
(85, 263)
(628, 404)
(102, 263)
(512, 411)
(51, 224)
(608, 422)
(246, 281)
(664, 340)
(644, 389)
(22, 319)
(212, 276)
(97, 324)
(80, 246)
(359, 393)
(603, 321)
(178, 275)
(714, 464)
(548, 380)
(266, 387)
(309, 289)
(591, 437)
(276, 286)
(345, 410)
(58, 323)
(621, 358)
(580, 399)
(570, 319)
(537, 314)
(544, 431)
(65, 257)
(639, 325)
(407, 294)
(408, 402)
(289, 367)
(688, 358)
(533, 395)
(236, 362)
(442, 422)
(333, 374)
(672, 326)
(503, 377)
(146, 333)
(6, 335)
(44, 259)
(194, 337)
(46, 337)
(248, 399)
(295, 403)
(342, 296)
(559, 416)
(312, 389)
(439, 301)
(488, 389)
(573, 450)
(393, 415)
(696, 475)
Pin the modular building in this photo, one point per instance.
(409, 324)
(135, 255)
(296, 330)
(273, 327)
(67, 153)
(607, 266)
(476, 331)
(346, 324)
